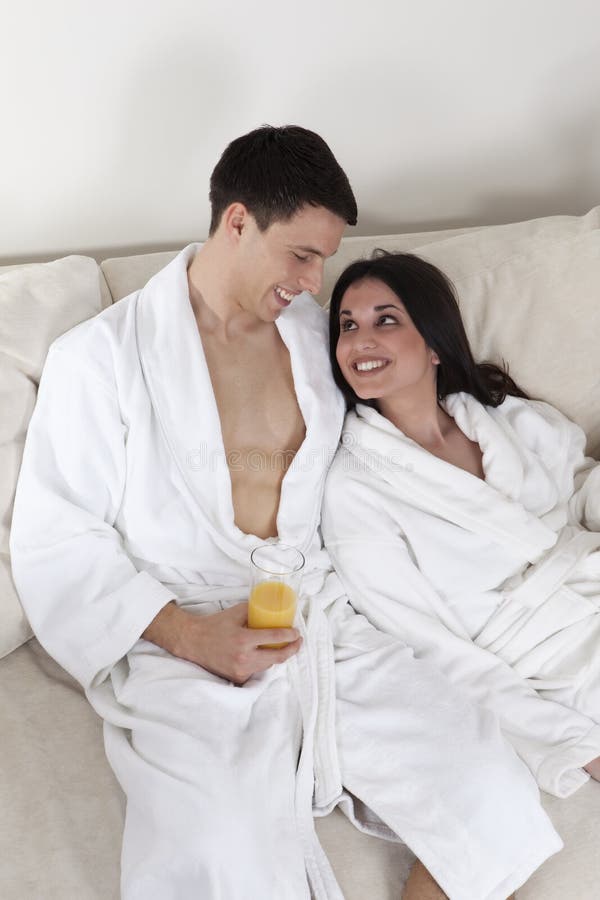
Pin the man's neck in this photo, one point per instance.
(212, 295)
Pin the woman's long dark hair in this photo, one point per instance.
(429, 299)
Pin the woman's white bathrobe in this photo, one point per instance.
(124, 502)
(497, 582)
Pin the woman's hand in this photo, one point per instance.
(593, 768)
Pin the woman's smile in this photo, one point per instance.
(369, 366)
(379, 350)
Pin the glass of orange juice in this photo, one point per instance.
(275, 574)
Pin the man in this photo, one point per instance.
(172, 433)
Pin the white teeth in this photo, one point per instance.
(371, 364)
(285, 294)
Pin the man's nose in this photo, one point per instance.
(312, 277)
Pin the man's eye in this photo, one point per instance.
(302, 258)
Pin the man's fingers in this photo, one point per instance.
(280, 654)
(289, 650)
(268, 656)
(275, 635)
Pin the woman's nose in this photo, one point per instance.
(366, 342)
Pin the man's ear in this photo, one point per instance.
(234, 220)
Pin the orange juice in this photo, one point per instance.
(272, 604)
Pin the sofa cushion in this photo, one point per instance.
(492, 241)
(62, 795)
(105, 294)
(37, 303)
(125, 274)
(361, 246)
(532, 301)
(61, 837)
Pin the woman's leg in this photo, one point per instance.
(435, 768)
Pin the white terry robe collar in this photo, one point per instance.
(181, 393)
(438, 487)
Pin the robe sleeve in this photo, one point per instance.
(560, 444)
(371, 556)
(577, 476)
(584, 504)
(85, 600)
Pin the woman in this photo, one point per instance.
(464, 518)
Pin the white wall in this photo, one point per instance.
(443, 112)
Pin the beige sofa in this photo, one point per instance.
(529, 294)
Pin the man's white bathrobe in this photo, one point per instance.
(495, 581)
(124, 503)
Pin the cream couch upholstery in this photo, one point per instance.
(529, 294)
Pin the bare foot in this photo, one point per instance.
(593, 768)
(421, 886)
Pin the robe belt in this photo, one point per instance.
(323, 587)
(547, 576)
(515, 628)
(312, 676)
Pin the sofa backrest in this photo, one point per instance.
(125, 274)
(528, 293)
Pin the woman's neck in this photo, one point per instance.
(420, 418)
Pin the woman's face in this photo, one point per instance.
(380, 352)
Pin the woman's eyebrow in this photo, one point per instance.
(348, 312)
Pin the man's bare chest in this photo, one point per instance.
(261, 424)
(255, 396)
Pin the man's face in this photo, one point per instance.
(275, 265)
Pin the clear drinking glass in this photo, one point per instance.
(275, 575)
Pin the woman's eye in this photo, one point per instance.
(348, 325)
(386, 320)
